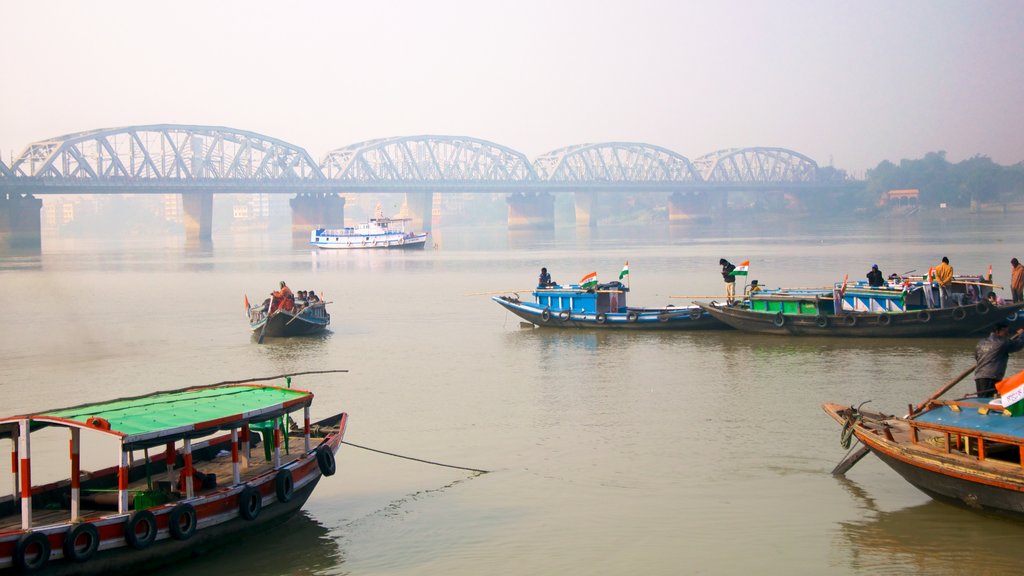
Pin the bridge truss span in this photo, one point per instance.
(615, 162)
(165, 153)
(757, 165)
(427, 158)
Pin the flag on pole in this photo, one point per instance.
(589, 281)
(625, 271)
(247, 303)
(741, 270)
(1012, 391)
(990, 273)
(931, 271)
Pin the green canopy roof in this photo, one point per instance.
(157, 417)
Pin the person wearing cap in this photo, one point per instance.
(754, 287)
(1016, 281)
(992, 353)
(730, 280)
(875, 278)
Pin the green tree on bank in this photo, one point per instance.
(977, 180)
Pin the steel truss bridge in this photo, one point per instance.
(175, 158)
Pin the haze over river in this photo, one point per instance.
(610, 453)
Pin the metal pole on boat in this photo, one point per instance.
(122, 482)
(236, 472)
(16, 493)
(76, 473)
(170, 459)
(24, 451)
(277, 443)
(305, 427)
(187, 451)
(246, 446)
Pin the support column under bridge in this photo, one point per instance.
(692, 205)
(311, 211)
(198, 208)
(531, 211)
(586, 208)
(20, 221)
(419, 208)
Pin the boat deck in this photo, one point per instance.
(967, 415)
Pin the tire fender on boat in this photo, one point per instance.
(325, 460)
(780, 320)
(924, 316)
(631, 316)
(884, 319)
(696, 313)
(959, 314)
(983, 307)
(821, 321)
(564, 315)
(1012, 317)
(32, 551)
(849, 319)
(181, 522)
(81, 542)
(545, 314)
(284, 485)
(250, 502)
(140, 529)
(600, 318)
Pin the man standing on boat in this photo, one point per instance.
(875, 278)
(730, 280)
(992, 354)
(283, 298)
(944, 276)
(1016, 281)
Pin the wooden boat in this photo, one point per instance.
(204, 486)
(603, 307)
(377, 233)
(902, 309)
(304, 319)
(966, 451)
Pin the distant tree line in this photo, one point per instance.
(977, 180)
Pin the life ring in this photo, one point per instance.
(696, 313)
(81, 542)
(181, 522)
(32, 551)
(284, 485)
(1012, 317)
(849, 319)
(959, 314)
(884, 319)
(140, 529)
(821, 321)
(325, 460)
(250, 502)
(97, 422)
(631, 316)
(983, 307)
(924, 316)
(600, 318)
(779, 320)
(545, 314)
(564, 315)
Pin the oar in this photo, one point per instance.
(301, 312)
(851, 459)
(266, 321)
(502, 292)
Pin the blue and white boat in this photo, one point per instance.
(377, 233)
(602, 307)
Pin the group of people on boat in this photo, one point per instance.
(285, 299)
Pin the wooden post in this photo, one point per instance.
(76, 473)
(24, 450)
(236, 472)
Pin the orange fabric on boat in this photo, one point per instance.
(1006, 385)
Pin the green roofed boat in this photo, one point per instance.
(202, 483)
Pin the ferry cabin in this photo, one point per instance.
(578, 301)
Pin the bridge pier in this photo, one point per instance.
(316, 210)
(20, 221)
(586, 208)
(419, 208)
(198, 208)
(528, 211)
(690, 206)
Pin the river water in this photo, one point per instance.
(609, 453)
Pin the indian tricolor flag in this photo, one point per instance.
(589, 281)
(741, 270)
(1012, 391)
(625, 271)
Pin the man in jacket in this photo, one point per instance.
(944, 276)
(1016, 281)
(875, 278)
(992, 354)
(730, 280)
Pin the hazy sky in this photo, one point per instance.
(853, 83)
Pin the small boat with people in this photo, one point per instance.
(590, 304)
(968, 451)
(902, 307)
(283, 314)
(185, 476)
(376, 233)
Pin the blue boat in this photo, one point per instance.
(602, 307)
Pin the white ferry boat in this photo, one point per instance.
(377, 233)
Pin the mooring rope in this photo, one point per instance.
(416, 459)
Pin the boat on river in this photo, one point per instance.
(376, 233)
(902, 308)
(204, 486)
(602, 307)
(303, 319)
(966, 451)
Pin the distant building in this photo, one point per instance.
(901, 199)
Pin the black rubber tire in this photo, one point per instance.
(74, 549)
(884, 319)
(600, 318)
(141, 519)
(924, 316)
(959, 314)
(780, 320)
(32, 552)
(983, 307)
(564, 315)
(325, 460)
(696, 313)
(181, 522)
(849, 319)
(250, 502)
(545, 314)
(284, 485)
(632, 316)
(821, 321)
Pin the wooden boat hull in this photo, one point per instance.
(283, 324)
(691, 318)
(941, 322)
(218, 515)
(943, 475)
